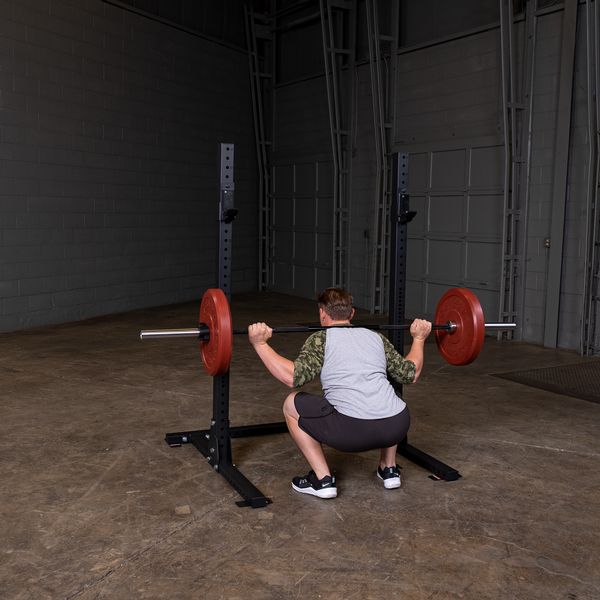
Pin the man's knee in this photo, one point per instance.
(289, 406)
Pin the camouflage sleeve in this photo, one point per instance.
(398, 368)
(310, 360)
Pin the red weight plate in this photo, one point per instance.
(462, 307)
(216, 315)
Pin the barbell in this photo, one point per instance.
(459, 329)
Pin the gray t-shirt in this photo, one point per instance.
(354, 364)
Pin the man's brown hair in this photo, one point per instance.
(336, 302)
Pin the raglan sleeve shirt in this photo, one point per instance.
(312, 354)
(399, 368)
(310, 360)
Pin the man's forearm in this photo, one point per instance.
(280, 367)
(417, 356)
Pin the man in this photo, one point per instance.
(360, 409)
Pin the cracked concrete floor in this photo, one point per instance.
(94, 504)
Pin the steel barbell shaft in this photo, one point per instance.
(306, 329)
(204, 331)
(450, 326)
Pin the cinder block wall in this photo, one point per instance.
(109, 131)
(450, 92)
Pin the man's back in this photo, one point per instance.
(354, 377)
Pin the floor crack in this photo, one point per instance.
(135, 556)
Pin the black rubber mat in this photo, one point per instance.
(581, 380)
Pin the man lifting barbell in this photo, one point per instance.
(459, 334)
(360, 409)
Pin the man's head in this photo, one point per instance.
(337, 304)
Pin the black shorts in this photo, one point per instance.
(326, 425)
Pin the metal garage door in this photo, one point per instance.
(301, 228)
(456, 237)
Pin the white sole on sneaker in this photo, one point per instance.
(328, 492)
(391, 483)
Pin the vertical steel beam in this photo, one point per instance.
(593, 312)
(590, 36)
(527, 135)
(591, 301)
(508, 129)
(559, 183)
(517, 93)
(260, 43)
(383, 50)
(338, 30)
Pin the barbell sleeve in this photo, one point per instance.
(203, 331)
(501, 326)
(194, 332)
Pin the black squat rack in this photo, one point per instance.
(215, 443)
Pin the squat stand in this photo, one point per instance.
(215, 443)
(401, 216)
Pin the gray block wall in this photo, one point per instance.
(449, 122)
(449, 91)
(302, 136)
(109, 129)
(449, 97)
(545, 105)
(302, 200)
(452, 95)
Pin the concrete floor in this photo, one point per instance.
(96, 505)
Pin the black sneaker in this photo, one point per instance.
(309, 484)
(390, 477)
